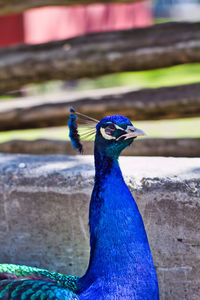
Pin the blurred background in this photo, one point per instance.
(139, 58)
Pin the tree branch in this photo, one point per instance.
(16, 6)
(92, 55)
(35, 112)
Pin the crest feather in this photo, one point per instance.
(75, 134)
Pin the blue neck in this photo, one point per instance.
(119, 245)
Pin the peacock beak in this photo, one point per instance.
(132, 132)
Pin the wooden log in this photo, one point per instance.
(92, 55)
(36, 112)
(16, 6)
(184, 147)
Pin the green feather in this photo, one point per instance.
(66, 281)
(63, 286)
(34, 289)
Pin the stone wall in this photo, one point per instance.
(44, 214)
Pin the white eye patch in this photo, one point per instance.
(104, 132)
(105, 135)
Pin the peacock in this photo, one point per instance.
(121, 264)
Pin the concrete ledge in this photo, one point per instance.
(44, 214)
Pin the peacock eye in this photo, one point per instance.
(110, 129)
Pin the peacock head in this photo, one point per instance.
(114, 134)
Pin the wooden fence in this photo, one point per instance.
(92, 55)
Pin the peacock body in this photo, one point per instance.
(121, 264)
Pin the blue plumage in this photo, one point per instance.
(121, 265)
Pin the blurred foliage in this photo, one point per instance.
(172, 76)
(177, 128)
(163, 20)
(6, 97)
